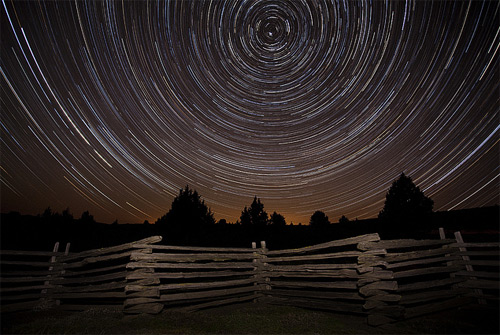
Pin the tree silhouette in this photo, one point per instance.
(319, 219)
(255, 215)
(222, 222)
(87, 217)
(187, 212)
(405, 202)
(245, 218)
(343, 219)
(67, 216)
(277, 220)
(47, 213)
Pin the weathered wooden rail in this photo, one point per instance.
(78, 281)
(326, 276)
(190, 278)
(384, 280)
(482, 269)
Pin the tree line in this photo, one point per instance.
(404, 202)
(66, 216)
(407, 213)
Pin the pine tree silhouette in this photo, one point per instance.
(255, 215)
(187, 212)
(319, 219)
(405, 202)
(277, 220)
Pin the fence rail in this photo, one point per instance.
(384, 280)
(325, 276)
(30, 279)
(190, 278)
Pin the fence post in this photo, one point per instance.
(66, 251)
(468, 267)
(47, 301)
(257, 271)
(142, 293)
(263, 257)
(442, 236)
(377, 285)
(261, 282)
(61, 273)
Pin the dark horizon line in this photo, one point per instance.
(234, 223)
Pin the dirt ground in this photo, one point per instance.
(247, 318)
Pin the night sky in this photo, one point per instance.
(113, 107)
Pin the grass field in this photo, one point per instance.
(240, 319)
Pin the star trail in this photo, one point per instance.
(309, 105)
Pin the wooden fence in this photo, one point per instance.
(434, 275)
(482, 269)
(40, 280)
(384, 280)
(327, 276)
(190, 278)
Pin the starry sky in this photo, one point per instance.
(113, 107)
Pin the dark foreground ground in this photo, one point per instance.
(243, 319)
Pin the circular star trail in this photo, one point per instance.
(309, 105)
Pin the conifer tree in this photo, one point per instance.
(319, 219)
(255, 215)
(188, 211)
(405, 202)
(277, 220)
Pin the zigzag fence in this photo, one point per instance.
(78, 281)
(327, 276)
(384, 280)
(190, 278)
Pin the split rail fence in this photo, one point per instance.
(78, 281)
(384, 280)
